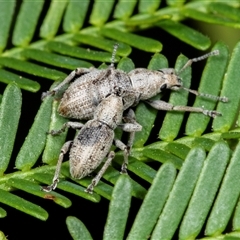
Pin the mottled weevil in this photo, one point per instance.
(92, 85)
(94, 140)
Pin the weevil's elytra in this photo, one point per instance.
(94, 140)
(81, 98)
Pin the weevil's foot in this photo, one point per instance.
(50, 187)
(124, 169)
(89, 189)
(48, 93)
(47, 188)
(212, 114)
(224, 99)
(54, 132)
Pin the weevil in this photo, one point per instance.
(92, 85)
(94, 140)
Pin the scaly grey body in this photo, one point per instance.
(92, 85)
(94, 140)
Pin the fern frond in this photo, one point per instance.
(198, 173)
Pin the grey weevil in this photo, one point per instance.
(94, 140)
(92, 85)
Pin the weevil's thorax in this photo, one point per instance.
(110, 111)
(148, 83)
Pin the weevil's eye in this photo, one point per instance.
(163, 87)
(179, 80)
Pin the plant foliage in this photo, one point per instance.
(197, 186)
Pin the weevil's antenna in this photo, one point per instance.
(190, 61)
(115, 47)
(206, 95)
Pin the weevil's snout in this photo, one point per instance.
(176, 83)
(171, 79)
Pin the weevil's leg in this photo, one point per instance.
(126, 151)
(97, 178)
(161, 105)
(130, 126)
(74, 125)
(68, 79)
(55, 181)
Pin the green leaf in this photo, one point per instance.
(227, 197)
(6, 14)
(112, 176)
(139, 168)
(118, 209)
(126, 64)
(205, 191)
(10, 111)
(178, 149)
(98, 16)
(55, 59)
(211, 82)
(229, 89)
(78, 52)
(124, 9)
(175, 2)
(31, 149)
(23, 205)
(31, 68)
(21, 82)
(153, 203)
(102, 43)
(180, 195)
(209, 18)
(225, 10)
(75, 15)
(26, 22)
(35, 189)
(148, 6)
(173, 120)
(142, 43)
(162, 156)
(77, 229)
(54, 143)
(185, 34)
(53, 19)
(2, 236)
(3, 213)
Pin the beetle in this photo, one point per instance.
(91, 85)
(94, 140)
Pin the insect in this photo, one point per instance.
(94, 140)
(92, 85)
